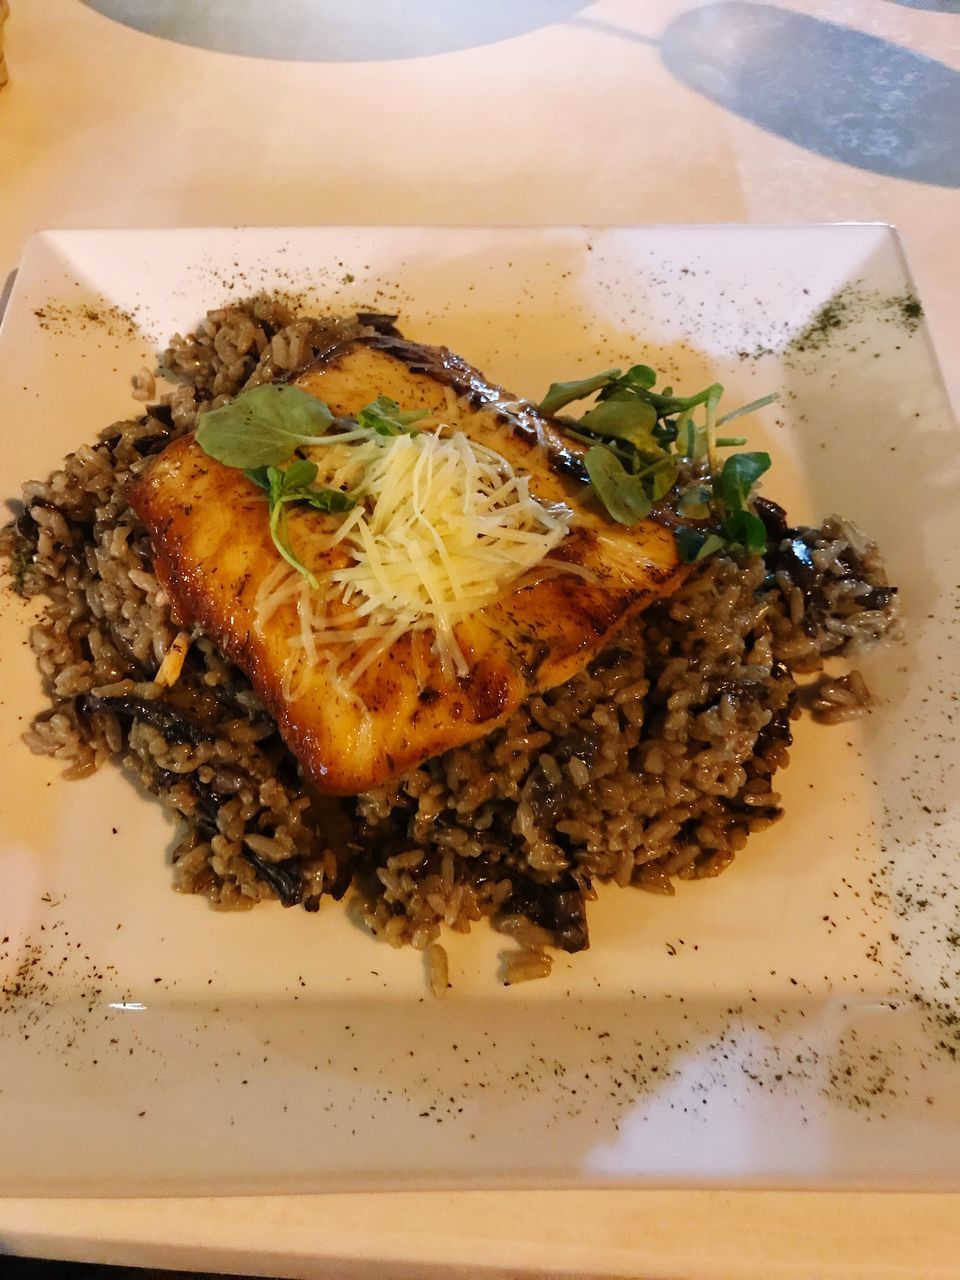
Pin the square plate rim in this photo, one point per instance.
(529, 231)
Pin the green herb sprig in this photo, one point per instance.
(386, 417)
(262, 428)
(294, 484)
(639, 440)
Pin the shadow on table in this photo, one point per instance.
(841, 93)
(937, 6)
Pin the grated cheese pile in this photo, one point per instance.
(442, 524)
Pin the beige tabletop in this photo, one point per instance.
(121, 114)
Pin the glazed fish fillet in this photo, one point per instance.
(213, 552)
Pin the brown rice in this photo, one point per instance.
(657, 761)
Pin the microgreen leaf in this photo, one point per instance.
(295, 485)
(740, 473)
(697, 544)
(385, 416)
(299, 475)
(660, 477)
(646, 435)
(631, 420)
(638, 379)
(260, 476)
(640, 375)
(262, 427)
(732, 489)
(333, 501)
(560, 394)
(748, 530)
(622, 494)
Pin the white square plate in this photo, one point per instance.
(793, 1023)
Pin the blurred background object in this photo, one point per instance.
(4, 13)
(330, 31)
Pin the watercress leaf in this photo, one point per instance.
(661, 477)
(747, 529)
(560, 394)
(632, 420)
(622, 494)
(740, 473)
(712, 543)
(259, 477)
(293, 485)
(640, 375)
(262, 427)
(635, 383)
(299, 475)
(296, 487)
(380, 416)
(696, 544)
(275, 480)
(385, 416)
(331, 500)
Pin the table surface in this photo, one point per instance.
(204, 112)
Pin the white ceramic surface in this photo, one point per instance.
(778, 1026)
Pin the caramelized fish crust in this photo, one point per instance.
(212, 550)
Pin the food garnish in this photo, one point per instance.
(645, 443)
(262, 427)
(295, 484)
(442, 524)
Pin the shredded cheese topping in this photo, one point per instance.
(442, 524)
